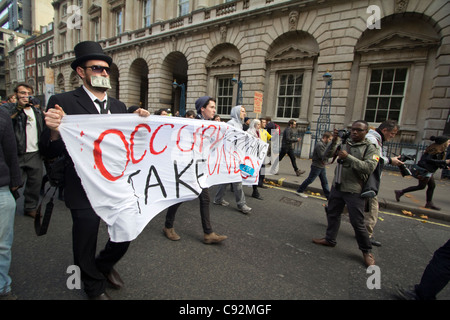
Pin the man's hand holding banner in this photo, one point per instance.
(132, 167)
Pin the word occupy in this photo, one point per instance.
(132, 167)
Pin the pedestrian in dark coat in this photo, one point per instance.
(92, 66)
(432, 159)
(10, 181)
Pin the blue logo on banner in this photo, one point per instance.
(249, 170)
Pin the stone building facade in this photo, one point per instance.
(388, 58)
(9, 41)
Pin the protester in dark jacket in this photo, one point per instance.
(288, 139)
(10, 180)
(91, 65)
(28, 123)
(321, 153)
(206, 109)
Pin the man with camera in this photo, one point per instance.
(28, 123)
(386, 131)
(357, 158)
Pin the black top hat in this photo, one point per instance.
(89, 50)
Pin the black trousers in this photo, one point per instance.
(436, 275)
(84, 241)
(204, 212)
(290, 153)
(261, 176)
(423, 183)
(355, 205)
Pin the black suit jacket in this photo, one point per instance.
(73, 102)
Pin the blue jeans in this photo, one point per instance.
(313, 174)
(238, 193)
(7, 212)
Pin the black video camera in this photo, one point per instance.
(30, 101)
(403, 169)
(405, 157)
(344, 135)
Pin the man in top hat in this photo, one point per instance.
(93, 67)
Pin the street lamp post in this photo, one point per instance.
(239, 92)
(182, 96)
(323, 122)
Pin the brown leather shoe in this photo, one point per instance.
(114, 279)
(323, 242)
(171, 234)
(369, 260)
(213, 238)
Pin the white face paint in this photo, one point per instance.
(100, 82)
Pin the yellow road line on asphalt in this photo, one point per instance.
(417, 219)
(384, 212)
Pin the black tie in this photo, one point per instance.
(102, 106)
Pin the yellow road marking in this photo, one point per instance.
(417, 219)
(384, 212)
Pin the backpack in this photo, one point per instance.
(372, 185)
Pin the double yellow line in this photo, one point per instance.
(384, 212)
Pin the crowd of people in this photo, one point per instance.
(36, 134)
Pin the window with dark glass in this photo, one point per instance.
(289, 95)
(385, 95)
(224, 101)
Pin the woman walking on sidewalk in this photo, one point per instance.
(431, 160)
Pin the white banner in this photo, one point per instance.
(132, 167)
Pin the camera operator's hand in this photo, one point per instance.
(342, 154)
(395, 161)
(335, 135)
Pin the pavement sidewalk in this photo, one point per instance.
(413, 202)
